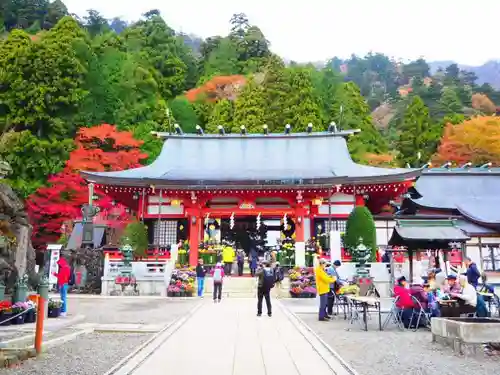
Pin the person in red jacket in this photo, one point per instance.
(405, 302)
(63, 276)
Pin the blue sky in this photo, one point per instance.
(316, 30)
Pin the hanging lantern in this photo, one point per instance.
(258, 221)
(231, 221)
(317, 201)
(285, 222)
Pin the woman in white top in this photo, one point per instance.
(467, 297)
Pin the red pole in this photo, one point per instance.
(40, 315)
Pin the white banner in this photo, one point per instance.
(55, 254)
(335, 246)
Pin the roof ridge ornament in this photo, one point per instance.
(466, 165)
(309, 128)
(332, 128)
(288, 128)
(446, 165)
(221, 130)
(486, 165)
(199, 130)
(243, 130)
(266, 129)
(178, 129)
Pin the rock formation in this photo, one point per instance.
(17, 256)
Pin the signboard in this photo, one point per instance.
(55, 254)
(247, 206)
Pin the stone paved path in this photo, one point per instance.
(229, 339)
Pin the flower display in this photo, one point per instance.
(302, 282)
(181, 283)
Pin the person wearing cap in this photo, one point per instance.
(323, 282)
(473, 274)
(331, 270)
(404, 301)
(452, 286)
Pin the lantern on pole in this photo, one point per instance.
(231, 221)
(258, 221)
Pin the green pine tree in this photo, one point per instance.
(417, 135)
(222, 114)
(449, 103)
(276, 88)
(302, 107)
(350, 111)
(249, 108)
(360, 224)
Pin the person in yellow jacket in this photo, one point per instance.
(228, 255)
(323, 282)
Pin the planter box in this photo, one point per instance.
(18, 320)
(3, 319)
(30, 316)
(54, 312)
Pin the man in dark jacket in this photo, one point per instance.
(266, 280)
(201, 272)
(472, 273)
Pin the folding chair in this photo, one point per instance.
(340, 302)
(353, 313)
(419, 313)
(394, 316)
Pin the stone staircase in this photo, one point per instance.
(243, 287)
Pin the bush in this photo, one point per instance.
(360, 224)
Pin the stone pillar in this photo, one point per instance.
(300, 245)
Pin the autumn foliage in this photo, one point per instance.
(220, 87)
(482, 103)
(379, 160)
(476, 140)
(100, 148)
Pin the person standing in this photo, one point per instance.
(472, 273)
(228, 258)
(201, 272)
(218, 276)
(266, 280)
(240, 259)
(253, 257)
(63, 276)
(323, 282)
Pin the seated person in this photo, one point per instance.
(404, 303)
(452, 285)
(432, 301)
(467, 296)
(420, 294)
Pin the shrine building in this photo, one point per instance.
(308, 180)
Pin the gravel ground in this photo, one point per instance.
(129, 310)
(396, 352)
(91, 354)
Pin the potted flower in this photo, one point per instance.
(5, 313)
(309, 292)
(54, 308)
(17, 310)
(30, 316)
(295, 291)
(189, 289)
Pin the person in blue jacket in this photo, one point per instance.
(472, 273)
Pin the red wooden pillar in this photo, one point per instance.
(360, 200)
(194, 235)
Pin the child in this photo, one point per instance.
(217, 276)
(280, 274)
(432, 301)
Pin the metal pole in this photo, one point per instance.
(158, 228)
(143, 203)
(329, 219)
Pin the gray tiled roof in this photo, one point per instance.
(426, 234)
(473, 192)
(295, 159)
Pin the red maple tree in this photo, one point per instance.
(100, 148)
